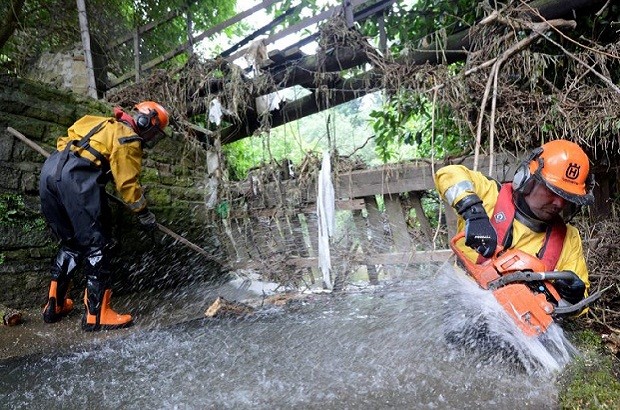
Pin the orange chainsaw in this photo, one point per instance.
(522, 287)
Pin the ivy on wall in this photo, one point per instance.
(13, 210)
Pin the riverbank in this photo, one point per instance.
(591, 380)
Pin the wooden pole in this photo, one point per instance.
(348, 12)
(136, 54)
(88, 57)
(161, 228)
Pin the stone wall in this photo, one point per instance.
(173, 177)
(63, 70)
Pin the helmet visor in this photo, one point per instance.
(587, 199)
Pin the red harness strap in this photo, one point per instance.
(502, 218)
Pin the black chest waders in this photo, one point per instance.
(72, 195)
(74, 203)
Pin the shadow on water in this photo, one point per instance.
(380, 347)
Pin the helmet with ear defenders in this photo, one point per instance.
(151, 114)
(563, 167)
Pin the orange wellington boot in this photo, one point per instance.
(100, 316)
(56, 308)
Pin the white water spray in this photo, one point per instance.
(475, 321)
(325, 209)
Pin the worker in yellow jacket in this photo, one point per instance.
(96, 150)
(526, 213)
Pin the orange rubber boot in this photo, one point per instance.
(100, 316)
(56, 307)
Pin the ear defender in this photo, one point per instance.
(143, 121)
(522, 180)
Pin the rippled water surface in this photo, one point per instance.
(376, 348)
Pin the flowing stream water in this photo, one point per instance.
(379, 347)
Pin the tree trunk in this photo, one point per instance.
(10, 20)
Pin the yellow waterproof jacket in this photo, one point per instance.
(454, 182)
(122, 149)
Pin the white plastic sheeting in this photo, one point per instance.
(325, 209)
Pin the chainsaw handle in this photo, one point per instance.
(527, 276)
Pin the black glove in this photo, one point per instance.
(572, 290)
(147, 220)
(479, 234)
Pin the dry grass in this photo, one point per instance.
(603, 258)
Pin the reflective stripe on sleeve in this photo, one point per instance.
(138, 205)
(457, 190)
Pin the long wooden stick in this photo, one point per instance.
(162, 228)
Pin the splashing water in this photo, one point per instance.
(477, 322)
(380, 347)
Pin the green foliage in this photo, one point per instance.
(344, 128)
(222, 209)
(11, 208)
(240, 157)
(430, 204)
(411, 24)
(589, 339)
(13, 211)
(407, 120)
(52, 25)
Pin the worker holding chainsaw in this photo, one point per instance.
(526, 213)
(96, 150)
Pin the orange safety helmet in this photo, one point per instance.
(563, 167)
(151, 114)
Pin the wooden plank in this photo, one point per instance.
(310, 231)
(350, 204)
(362, 230)
(146, 28)
(348, 12)
(295, 28)
(407, 177)
(393, 258)
(262, 30)
(341, 205)
(375, 9)
(451, 219)
(136, 55)
(407, 258)
(276, 57)
(272, 211)
(425, 225)
(180, 49)
(398, 225)
(375, 225)
(392, 179)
